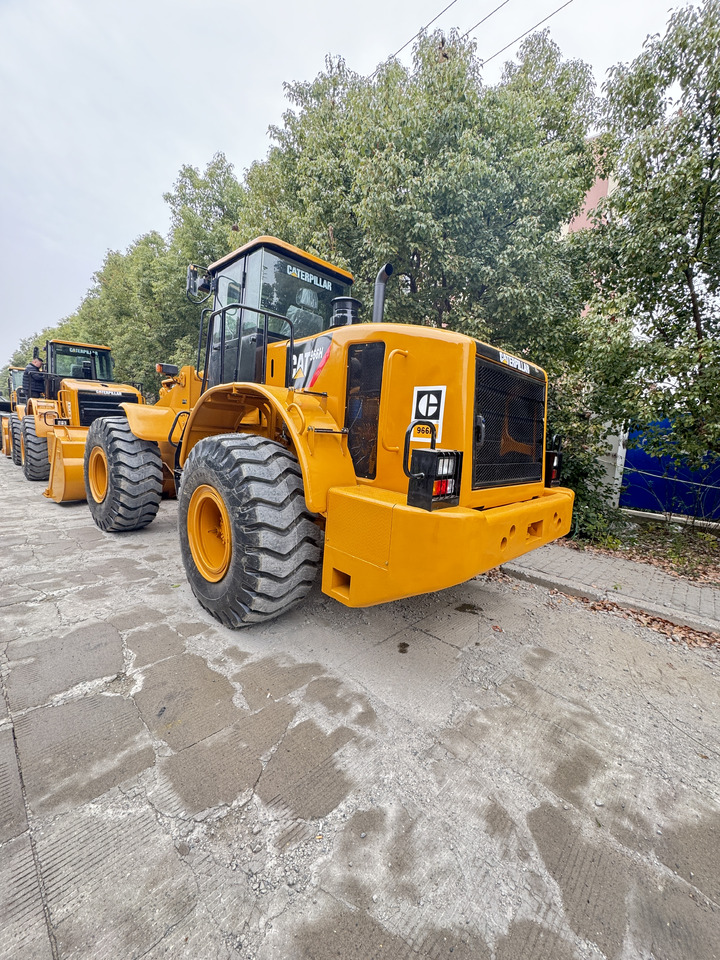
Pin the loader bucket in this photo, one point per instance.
(67, 481)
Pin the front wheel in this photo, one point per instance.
(250, 547)
(35, 463)
(123, 476)
(16, 439)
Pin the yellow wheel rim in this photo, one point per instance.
(209, 534)
(98, 474)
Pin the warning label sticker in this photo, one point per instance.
(428, 404)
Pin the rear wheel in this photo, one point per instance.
(250, 547)
(16, 439)
(35, 463)
(123, 476)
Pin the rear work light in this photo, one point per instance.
(434, 474)
(553, 462)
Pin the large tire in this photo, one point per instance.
(123, 476)
(250, 546)
(16, 439)
(36, 465)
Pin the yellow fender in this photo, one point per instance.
(149, 422)
(155, 423)
(280, 414)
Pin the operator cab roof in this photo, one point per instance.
(75, 343)
(281, 247)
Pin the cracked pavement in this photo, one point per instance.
(490, 772)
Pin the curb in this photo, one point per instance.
(680, 618)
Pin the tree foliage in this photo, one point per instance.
(657, 246)
(463, 187)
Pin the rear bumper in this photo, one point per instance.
(378, 549)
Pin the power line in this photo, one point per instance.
(539, 24)
(487, 17)
(437, 17)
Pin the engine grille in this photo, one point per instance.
(93, 405)
(509, 426)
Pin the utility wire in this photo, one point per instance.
(513, 42)
(437, 17)
(487, 17)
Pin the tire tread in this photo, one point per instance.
(280, 542)
(36, 465)
(135, 480)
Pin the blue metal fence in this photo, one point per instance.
(656, 483)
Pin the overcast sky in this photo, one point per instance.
(103, 101)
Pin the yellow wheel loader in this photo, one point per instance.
(78, 388)
(10, 425)
(395, 459)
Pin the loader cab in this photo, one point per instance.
(82, 361)
(267, 282)
(77, 361)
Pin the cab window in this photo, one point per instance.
(303, 293)
(82, 363)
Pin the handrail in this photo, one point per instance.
(202, 321)
(408, 438)
(267, 315)
(180, 413)
(296, 406)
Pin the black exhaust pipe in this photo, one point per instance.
(379, 297)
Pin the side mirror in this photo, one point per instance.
(36, 353)
(195, 284)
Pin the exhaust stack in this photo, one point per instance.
(379, 296)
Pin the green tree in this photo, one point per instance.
(137, 307)
(657, 246)
(204, 209)
(464, 187)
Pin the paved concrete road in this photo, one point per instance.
(488, 772)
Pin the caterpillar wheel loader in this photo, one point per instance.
(395, 459)
(78, 387)
(10, 425)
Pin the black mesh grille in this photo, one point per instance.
(94, 405)
(509, 424)
(362, 410)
